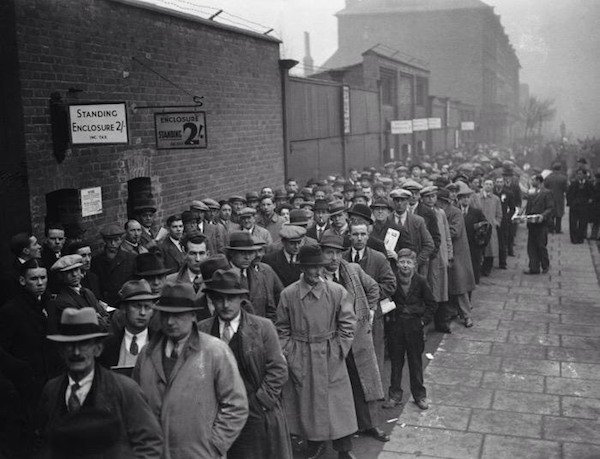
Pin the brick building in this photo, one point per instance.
(154, 60)
(469, 54)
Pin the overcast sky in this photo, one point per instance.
(557, 42)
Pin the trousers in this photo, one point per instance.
(537, 240)
(503, 237)
(577, 224)
(405, 340)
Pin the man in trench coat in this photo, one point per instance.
(492, 211)
(315, 323)
(255, 345)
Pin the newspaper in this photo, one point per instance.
(391, 239)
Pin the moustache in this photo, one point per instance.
(76, 359)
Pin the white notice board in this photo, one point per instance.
(98, 123)
(91, 201)
(401, 127)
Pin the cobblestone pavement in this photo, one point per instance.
(524, 382)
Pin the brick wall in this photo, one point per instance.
(89, 44)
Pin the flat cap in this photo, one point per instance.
(252, 196)
(412, 185)
(379, 202)
(237, 198)
(199, 205)
(247, 212)
(429, 190)
(67, 263)
(452, 187)
(112, 230)
(402, 169)
(300, 216)
(292, 232)
(211, 203)
(400, 193)
(336, 207)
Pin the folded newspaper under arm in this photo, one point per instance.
(386, 306)
(535, 218)
(391, 239)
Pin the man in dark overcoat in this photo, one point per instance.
(540, 205)
(579, 197)
(558, 184)
(255, 345)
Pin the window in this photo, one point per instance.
(421, 92)
(63, 206)
(388, 86)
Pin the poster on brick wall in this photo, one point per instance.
(98, 123)
(91, 201)
(180, 130)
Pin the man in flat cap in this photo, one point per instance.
(91, 410)
(237, 203)
(191, 381)
(338, 219)
(415, 206)
(247, 219)
(113, 266)
(255, 345)
(214, 241)
(284, 260)
(268, 219)
(144, 212)
(71, 294)
(316, 323)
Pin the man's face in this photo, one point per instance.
(406, 266)
(292, 247)
(359, 234)
(134, 232)
(146, 218)
(453, 194)
(199, 215)
(86, 256)
(488, 186)
(266, 191)
(177, 325)
(242, 259)
(259, 254)
(190, 226)
(380, 192)
(499, 182)
(368, 192)
(463, 199)
(156, 282)
(35, 281)
(195, 255)
(138, 315)
(348, 195)
(360, 200)
(291, 186)
(338, 220)
(416, 172)
(414, 198)
(247, 221)
(35, 249)
(111, 244)
(319, 194)
(285, 214)
(475, 183)
(381, 214)
(429, 199)
(267, 206)
(401, 204)
(176, 229)
(253, 204)
(226, 306)
(225, 212)
(312, 273)
(354, 174)
(56, 240)
(365, 183)
(80, 356)
(72, 278)
(333, 257)
(321, 217)
(236, 206)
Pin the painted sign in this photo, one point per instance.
(98, 124)
(180, 130)
(467, 126)
(91, 201)
(434, 123)
(420, 124)
(401, 127)
(346, 107)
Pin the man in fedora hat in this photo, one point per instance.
(144, 212)
(122, 348)
(283, 261)
(338, 219)
(191, 381)
(71, 294)
(255, 345)
(151, 268)
(90, 279)
(196, 252)
(316, 323)
(361, 360)
(263, 285)
(113, 265)
(321, 217)
(91, 409)
(171, 247)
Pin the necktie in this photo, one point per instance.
(335, 278)
(356, 257)
(133, 348)
(73, 404)
(227, 333)
(196, 283)
(319, 233)
(244, 278)
(174, 354)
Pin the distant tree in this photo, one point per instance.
(535, 113)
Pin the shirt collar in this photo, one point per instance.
(233, 323)
(305, 289)
(141, 336)
(175, 241)
(192, 276)
(361, 253)
(84, 381)
(130, 243)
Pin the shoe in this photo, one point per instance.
(468, 323)
(443, 329)
(317, 452)
(545, 270)
(528, 271)
(391, 403)
(422, 403)
(346, 455)
(377, 434)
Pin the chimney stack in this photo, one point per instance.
(308, 60)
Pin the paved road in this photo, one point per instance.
(525, 381)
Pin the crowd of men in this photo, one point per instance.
(244, 323)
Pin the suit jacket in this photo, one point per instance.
(540, 203)
(421, 240)
(418, 302)
(139, 433)
(579, 194)
(112, 348)
(288, 273)
(112, 274)
(507, 201)
(260, 233)
(432, 226)
(172, 256)
(312, 231)
(265, 288)
(215, 242)
(380, 230)
(376, 265)
(48, 259)
(473, 217)
(91, 282)
(69, 298)
(558, 185)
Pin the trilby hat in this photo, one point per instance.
(225, 281)
(178, 297)
(77, 325)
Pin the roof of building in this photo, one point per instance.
(407, 6)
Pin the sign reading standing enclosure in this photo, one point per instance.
(180, 130)
(98, 123)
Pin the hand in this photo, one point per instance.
(391, 254)
(371, 316)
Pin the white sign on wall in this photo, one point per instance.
(180, 130)
(434, 123)
(420, 124)
(98, 123)
(401, 127)
(91, 201)
(467, 126)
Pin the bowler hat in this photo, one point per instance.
(292, 232)
(112, 230)
(67, 263)
(280, 194)
(336, 207)
(225, 281)
(307, 204)
(150, 264)
(311, 254)
(444, 195)
(241, 240)
(77, 325)
(136, 290)
(212, 264)
(332, 240)
(361, 210)
(178, 297)
(299, 217)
